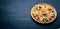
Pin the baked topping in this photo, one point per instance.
(52, 15)
(45, 19)
(49, 9)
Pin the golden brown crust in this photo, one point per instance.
(43, 13)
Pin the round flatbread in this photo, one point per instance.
(43, 13)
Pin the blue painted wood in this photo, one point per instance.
(15, 14)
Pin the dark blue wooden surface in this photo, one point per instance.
(15, 14)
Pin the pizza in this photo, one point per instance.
(43, 13)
